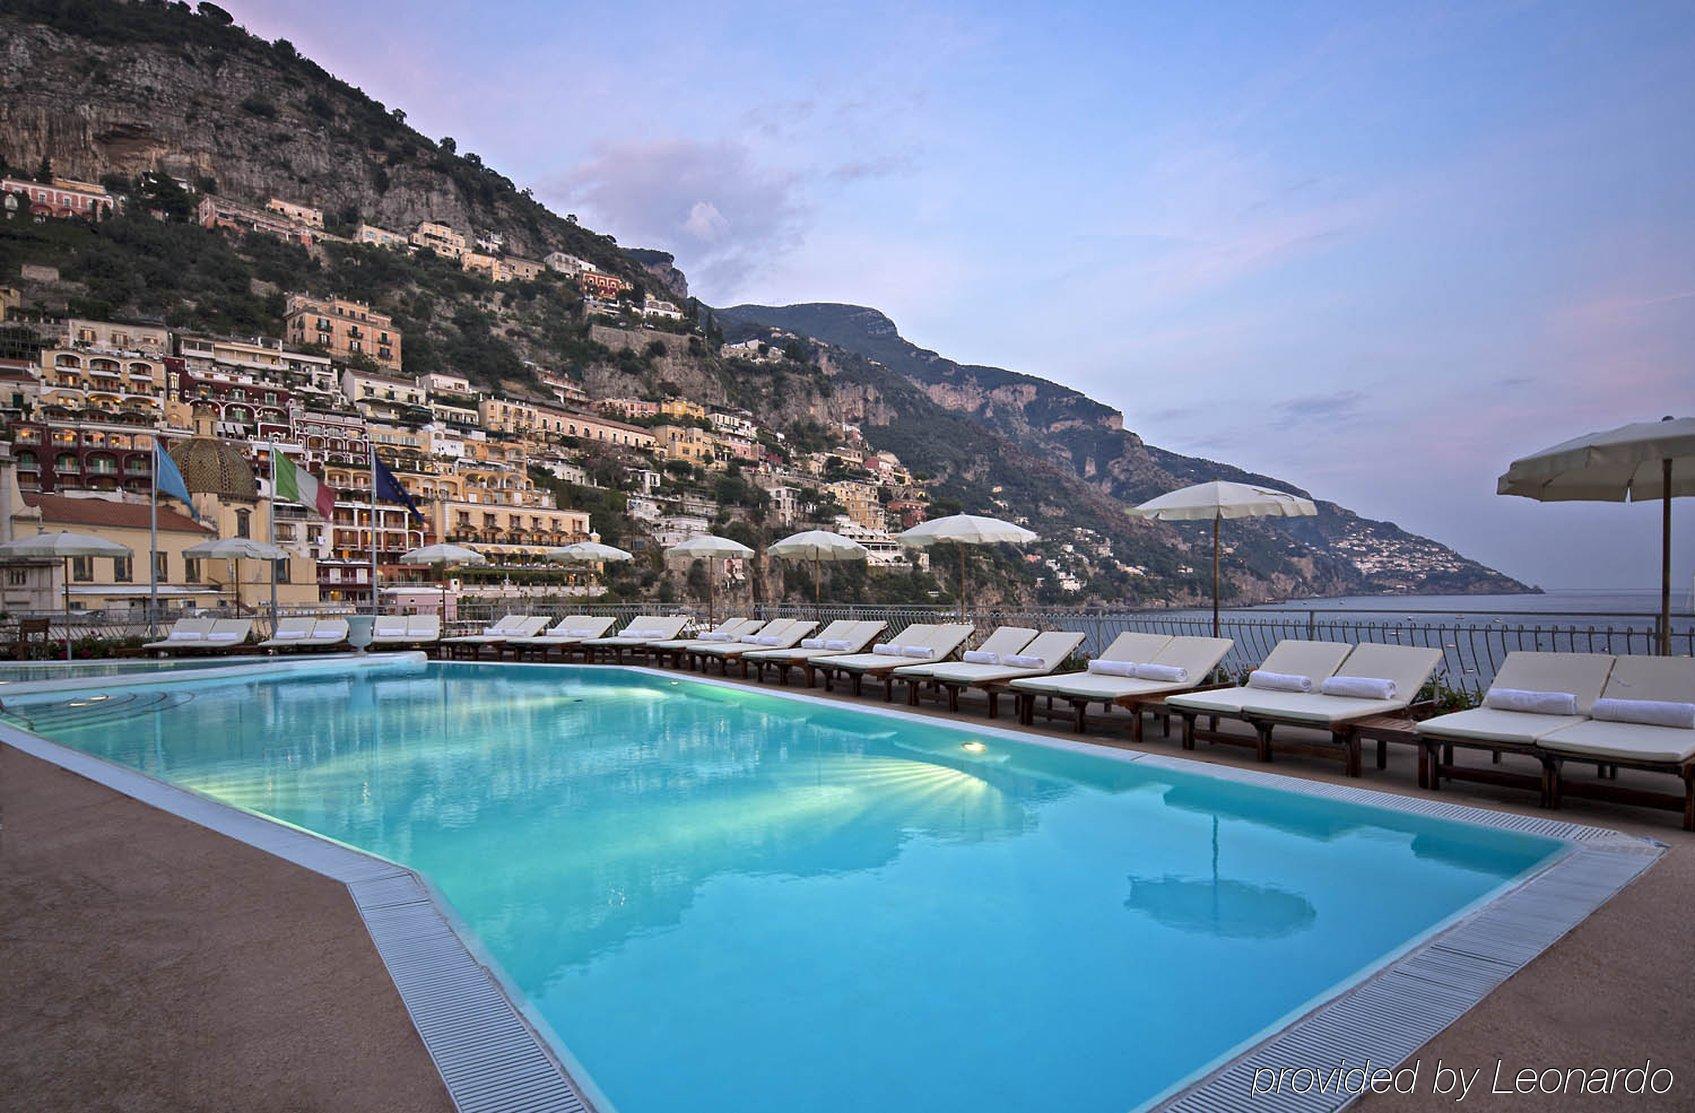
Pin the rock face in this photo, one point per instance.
(1337, 552)
(661, 266)
(165, 90)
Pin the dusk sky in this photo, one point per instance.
(1378, 253)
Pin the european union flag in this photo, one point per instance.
(167, 478)
(390, 490)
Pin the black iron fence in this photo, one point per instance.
(1473, 644)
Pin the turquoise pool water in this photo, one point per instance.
(722, 899)
(25, 672)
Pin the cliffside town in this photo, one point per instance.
(207, 241)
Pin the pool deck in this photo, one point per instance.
(248, 982)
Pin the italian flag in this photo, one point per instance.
(302, 487)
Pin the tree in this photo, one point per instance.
(214, 13)
(399, 115)
(44, 172)
(448, 145)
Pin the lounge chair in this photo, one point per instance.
(1192, 658)
(1376, 680)
(562, 635)
(839, 639)
(423, 629)
(917, 643)
(1615, 738)
(1003, 640)
(1044, 654)
(185, 631)
(226, 636)
(640, 631)
(389, 631)
(327, 633)
(510, 626)
(784, 633)
(1499, 729)
(677, 649)
(291, 633)
(1308, 661)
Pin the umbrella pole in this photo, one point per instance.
(962, 581)
(711, 583)
(1215, 575)
(818, 586)
(67, 608)
(1665, 557)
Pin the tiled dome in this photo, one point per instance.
(215, 466)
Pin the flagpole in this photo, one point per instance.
(153, 542)
(271, 530)
(372, 446)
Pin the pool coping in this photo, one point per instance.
(492, 1053)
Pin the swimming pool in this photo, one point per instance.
(30, 672)
(725, 899)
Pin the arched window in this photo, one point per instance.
(244, 523)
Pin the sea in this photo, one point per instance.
(1575, 602)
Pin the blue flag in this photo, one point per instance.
(168, 480)
(390, 490)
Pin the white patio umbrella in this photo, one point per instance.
(963, 530)
(710, 549)
(235, 550)
(441, 554)
(1217, 501)
(1633, 463)
(589, 552)
(818, 546)
(63, 545)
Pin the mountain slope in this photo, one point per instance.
(1359, 554)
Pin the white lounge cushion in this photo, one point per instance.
(1113, 668)
(1279, 681)
(1647, 712)
(1165, 674)
(1315, 707)
(981, 657)
(1091, 686)
(1358, 687)
(1223, 701)
(1488, 724)
(224, 636)
(1625, 741)
(1528, 702)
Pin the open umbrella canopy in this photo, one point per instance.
(707, 547)
(817, 545)
(964, 529)
(1219, 499)
(588, 552)
(1627, 464)
(61, 544)
(442, 553)
(1633, 463)
(236, 548)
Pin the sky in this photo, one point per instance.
(1378, 251)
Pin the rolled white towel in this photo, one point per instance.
(748, 639)
(981, 657)
(223, 636)
(1112, 668)
(581, 632)
(768, 639)
(1530, 702)
(1646, 712)
(834, 643)
(1358, 687)
(1169, 674)
(289, 635)
(1023, 661)
(717, 636)
(812, 643)
(1279, 681)
(645, 632)
(922, 652)
(886, 649)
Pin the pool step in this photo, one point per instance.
(90, 710)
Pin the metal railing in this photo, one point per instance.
(1473, 644)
